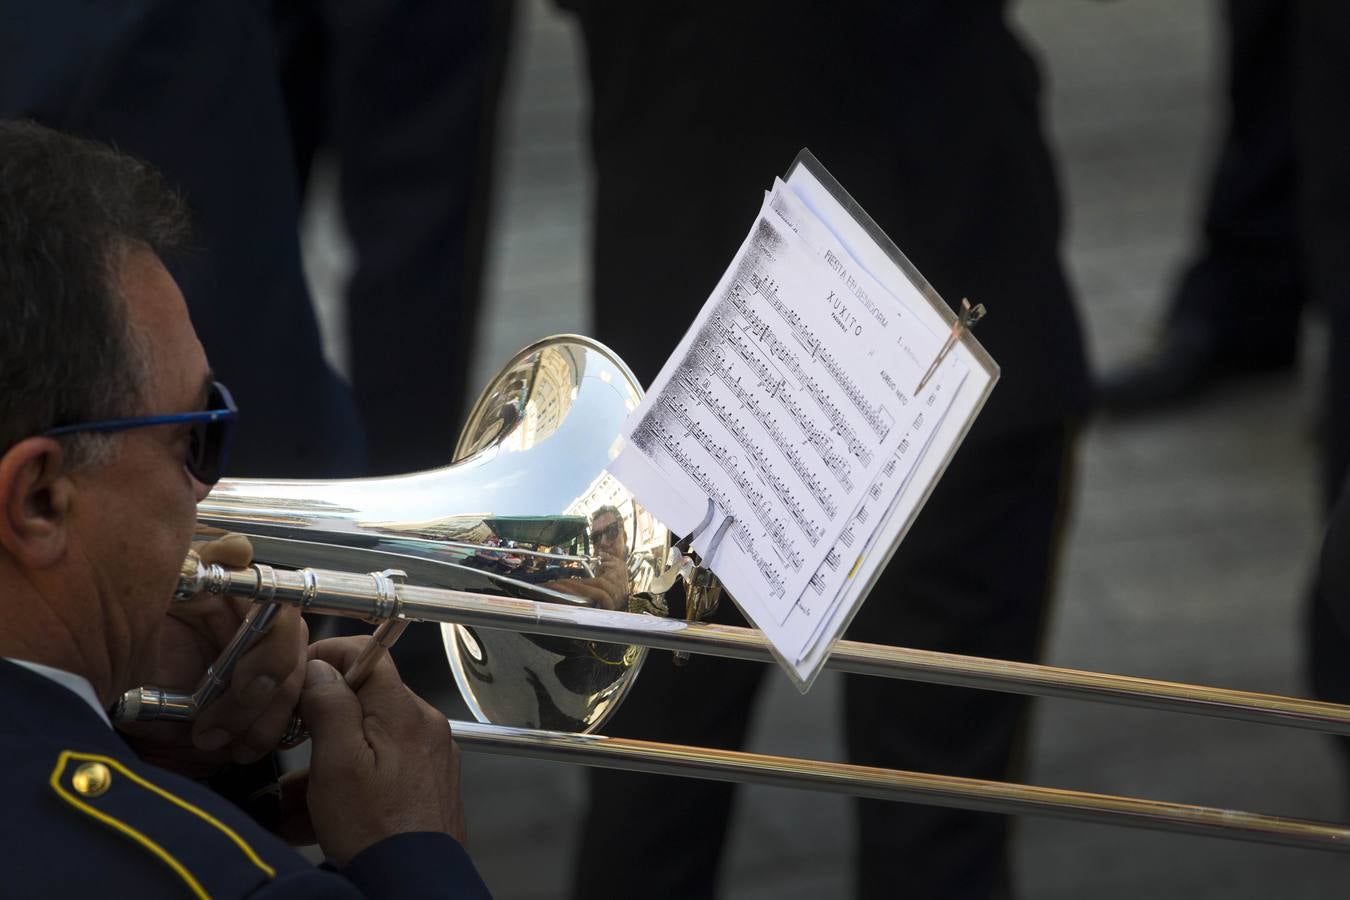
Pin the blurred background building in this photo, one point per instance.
(1193, 533)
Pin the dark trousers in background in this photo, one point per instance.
(1277, 212)
(1245, 287)
(403, 95)
(1323, 50)
(928, 113)
(1322, 42)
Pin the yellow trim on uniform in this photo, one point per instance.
(156, 849)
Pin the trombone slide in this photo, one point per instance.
(894, 784)
(368, 597)
(377, 598)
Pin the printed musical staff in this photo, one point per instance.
(726, 373)
(875, 415)
(779, 350)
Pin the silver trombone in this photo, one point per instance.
(548, 604)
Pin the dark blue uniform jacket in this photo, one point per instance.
(139, 831)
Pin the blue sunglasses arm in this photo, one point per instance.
(208, 416)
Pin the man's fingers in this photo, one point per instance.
(266, 730)
(391, 709)
(586, 588)
(384, 692)
(231, 550)
(264, 689)
(383, 684)
(333, 716)
(608, 590)
(339, 652)
(274, 657)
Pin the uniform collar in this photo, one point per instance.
(77, 684)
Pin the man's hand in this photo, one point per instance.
(607, 590)
(248, 719)
(381, 761)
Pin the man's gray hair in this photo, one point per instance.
(71, 211)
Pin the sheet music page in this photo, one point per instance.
(790, 405)
(879, 500)
(881, 259)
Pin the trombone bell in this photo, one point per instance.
(547, 522)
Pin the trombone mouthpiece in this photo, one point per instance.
(196, 577)
(191, 580)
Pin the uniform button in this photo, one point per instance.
(92, 779)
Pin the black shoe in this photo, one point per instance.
(1186, 362)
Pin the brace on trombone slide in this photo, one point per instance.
(702, 590)
(197, 578)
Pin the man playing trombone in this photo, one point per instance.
(111, 430)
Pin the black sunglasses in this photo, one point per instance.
(208, 443)
(608, 533)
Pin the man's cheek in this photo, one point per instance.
(147, 662)
(176, 528)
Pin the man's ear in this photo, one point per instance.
(36, 495)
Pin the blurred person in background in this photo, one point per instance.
(1236, 308)
(1323, 140)
(192, 88)
(231, 101)
(928, 112)
(1274, 236)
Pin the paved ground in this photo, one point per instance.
(1188, 552)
